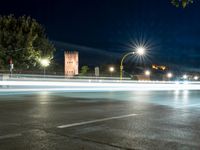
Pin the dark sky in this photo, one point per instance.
(172, 34)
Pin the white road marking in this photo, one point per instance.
(10, 136)
(94, 121)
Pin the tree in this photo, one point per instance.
(84, 70)
(23, 39)
(182, 3)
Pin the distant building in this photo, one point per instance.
(71, 63)
(159, 67)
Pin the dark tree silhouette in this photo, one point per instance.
(23, 39)
(182, 3)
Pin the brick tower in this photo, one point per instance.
(71, 63)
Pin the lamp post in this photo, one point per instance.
(45, 63)
(139, 51)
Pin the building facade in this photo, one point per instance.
(71, 63)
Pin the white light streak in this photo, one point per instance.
(95, 85)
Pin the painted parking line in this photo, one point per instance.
(10, 136)
(95, 121)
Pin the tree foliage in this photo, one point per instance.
(182, 3)
(84, 70)
(23, 39)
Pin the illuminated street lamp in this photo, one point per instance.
(185, 76)
(139, 51)
(169, 75)
(196, 77)
(111, 69)
(147, 73)
(45, 63)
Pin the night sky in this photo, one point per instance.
(112, 26)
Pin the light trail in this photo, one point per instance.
(94, 85)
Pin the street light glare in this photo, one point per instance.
(147, 72)
(111, 69)
(141, 50)
(196, 77)
(184, 76)
(44, 62)
(169, 75)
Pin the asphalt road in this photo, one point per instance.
(162, 120)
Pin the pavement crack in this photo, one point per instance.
(96, 141)
(85, 139)
(103, 143)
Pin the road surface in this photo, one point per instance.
(153, 120)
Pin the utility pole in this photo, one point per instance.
(11, 66)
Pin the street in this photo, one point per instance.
(100, 120)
